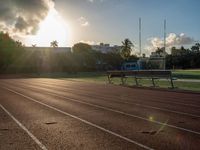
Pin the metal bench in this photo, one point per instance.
(142, 74)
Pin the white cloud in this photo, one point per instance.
(83, 22)
(20, 18)
(171, 40)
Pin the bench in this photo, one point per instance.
(141, 74)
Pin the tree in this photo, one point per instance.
(126, 49)
(54, 44)
(10, 51)
(19, 43)
(34, 45)
(81, 48)
(84, 56)
(196, 48)
(160, 51)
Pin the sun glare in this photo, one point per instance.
(52, 28)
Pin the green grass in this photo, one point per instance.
(180, 74)
(187, 74)
(191, 86)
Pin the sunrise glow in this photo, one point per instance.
(52, 28)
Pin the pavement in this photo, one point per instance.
(52, 114)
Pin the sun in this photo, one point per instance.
(52, 28)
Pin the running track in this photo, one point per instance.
(51, 114)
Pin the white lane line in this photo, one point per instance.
(116, 111)
(137, 104)
(50, 91)
(25, 129)
(82, 120)
(130, 103)
(170, 102)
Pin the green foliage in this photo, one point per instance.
(81, 48)
(160, 51)
(10, 51)
(84, 56)
(184, 58)
(126, 49)
(88, 59)
(14, 58)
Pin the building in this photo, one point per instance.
(105, 48)
(158, 55)
(156, 61)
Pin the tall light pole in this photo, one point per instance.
(165, 44)
(165, 34)
(140, 35)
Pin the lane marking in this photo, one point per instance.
(152, 100)
(53, 86)
(130, 103)
(113, 110)
(25, 129)
(82, 120)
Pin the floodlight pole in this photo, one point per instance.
(140, 35)
(164, 44)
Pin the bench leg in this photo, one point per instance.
(122, 79)
(172, 83)
(153, 82)
(109, 80)
(136, 81)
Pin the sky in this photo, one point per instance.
(109, 21)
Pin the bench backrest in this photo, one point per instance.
(141, 73)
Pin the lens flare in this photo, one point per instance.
(52, 28)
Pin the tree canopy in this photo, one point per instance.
(15, 58)
(126, 49)
(54, 44)
(81, 48)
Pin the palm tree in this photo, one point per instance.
(160, 51)
(54, 44)
(19, 44)
(126, 49)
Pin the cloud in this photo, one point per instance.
(83, 22)
(171, 40)
(22, 17)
